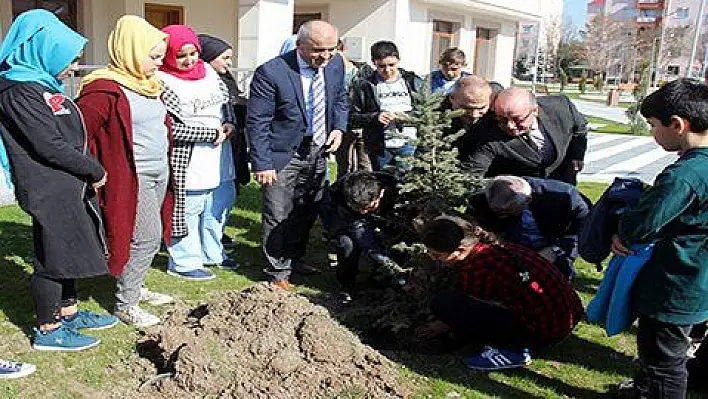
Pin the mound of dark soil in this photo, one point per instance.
(262, 342)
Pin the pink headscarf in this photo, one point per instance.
(179, 36)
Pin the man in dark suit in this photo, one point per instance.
(542, 214)
(297, 113)
(473, 95)
(540, 137)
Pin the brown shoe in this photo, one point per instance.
(284, 284)
(305, 269)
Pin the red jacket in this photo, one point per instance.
(110, 138)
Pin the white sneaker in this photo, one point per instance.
(137, 317)
(15, 369)
(154, 298)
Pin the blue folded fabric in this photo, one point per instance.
(596, 311)
(612, 304)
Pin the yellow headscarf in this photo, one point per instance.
(128, 46)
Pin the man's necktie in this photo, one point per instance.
(544, 147)
(537, 137)
(319, 108)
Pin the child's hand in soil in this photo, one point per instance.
(432, 329)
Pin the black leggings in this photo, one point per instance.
(50, 295)
(480, 323)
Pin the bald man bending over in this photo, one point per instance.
(473, 95)
(539, 137)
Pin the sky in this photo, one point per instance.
(576, 10)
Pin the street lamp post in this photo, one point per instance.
(656, 57)
(705, 63)
(654, 61)
(696, 36)
(535, 60)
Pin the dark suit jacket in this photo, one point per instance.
(474, 135)
(558, 208)
(558, 119)
(276, 119)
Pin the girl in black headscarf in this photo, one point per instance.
(219, 54)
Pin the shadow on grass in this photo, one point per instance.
(245, 221)
(16, 264)
(450, 369)
(16, 257)
(586, 284)
(589, 355)
(575, 350)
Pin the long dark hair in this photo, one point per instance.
(446, 233)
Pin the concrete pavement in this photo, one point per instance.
(614, 155)
(615, 114)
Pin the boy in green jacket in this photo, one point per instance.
(670, 293)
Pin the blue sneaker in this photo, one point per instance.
(89, 320)
(498, 359)
(196, 274)
(62, 339)
(15, 369)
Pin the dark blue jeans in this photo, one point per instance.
(358, 237)
(662, 359)
(396, 158)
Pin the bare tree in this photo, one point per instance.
(603, 42)
(570, 49)
(635, 52)
(552, 34)
(676, 45)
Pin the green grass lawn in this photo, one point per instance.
(586, 365)
(609, 126)
(579, 96)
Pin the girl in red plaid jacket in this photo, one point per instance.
(506, 297)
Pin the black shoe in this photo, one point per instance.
(305, 269)
(344, 297)
(228, 242)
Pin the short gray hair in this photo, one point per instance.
(474, 82)
(507, 192)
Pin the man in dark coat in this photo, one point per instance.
(542, 214)
(473, 95)
(540, 137)
(297, 113)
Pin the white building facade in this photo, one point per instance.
(681, 19)
(484, 29)
(532, 33)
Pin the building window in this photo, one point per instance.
(64, 10)
(673, 69)
(302, 17)
(527, 28)
(682, 13)
(444, 37)
(484, 51)
(160, 15)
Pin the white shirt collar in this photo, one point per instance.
(534, 126)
